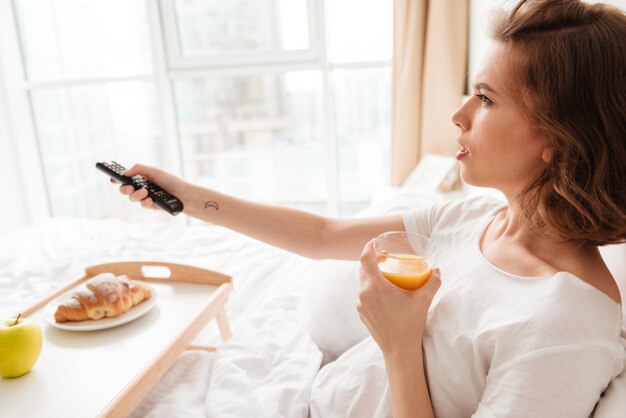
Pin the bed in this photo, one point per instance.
(281, 309)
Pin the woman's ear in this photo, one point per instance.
(546, 155)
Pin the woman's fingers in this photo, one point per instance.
(433, 283)
(370, 258)
(149, 173)
(134, 170)
(148, 203)
(369, 267)
(138, 195)
(126, 189)
(367, 257)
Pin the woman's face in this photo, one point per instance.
(498, 147)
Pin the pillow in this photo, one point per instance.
(327, 308)
(615, 258)
(392, 200)
(612, 403)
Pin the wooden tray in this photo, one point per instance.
(106, 373)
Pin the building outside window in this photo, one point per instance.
(282, 101)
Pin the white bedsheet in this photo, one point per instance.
(266, 369)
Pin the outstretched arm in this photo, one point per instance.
(298, 231)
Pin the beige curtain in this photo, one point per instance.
(429, 70)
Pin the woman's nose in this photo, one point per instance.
(460, 118)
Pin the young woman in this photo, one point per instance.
(522, 318)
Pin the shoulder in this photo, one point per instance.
(587, 266)
(471, 207)
(573, 307)
(597, 275)
(451, 213)
(455, 215)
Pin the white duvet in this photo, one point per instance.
(266, 369)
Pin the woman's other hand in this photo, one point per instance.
(395, 317)
(168, 182)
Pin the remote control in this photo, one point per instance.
(160, 197)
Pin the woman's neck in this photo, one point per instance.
(511, 222)
(511, 225)
(510, 229)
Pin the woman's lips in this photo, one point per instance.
(461, 153)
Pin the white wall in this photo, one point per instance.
(619, 3)
(13, 211)
(479, 18)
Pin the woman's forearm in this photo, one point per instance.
(407, 381)
(294, 230)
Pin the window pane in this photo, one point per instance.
(359, 30)
(363, 130)
(215, 27)
(258, 137)
(83, 38)
(79, 126)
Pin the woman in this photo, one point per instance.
(522, 318)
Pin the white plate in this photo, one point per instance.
(104, 323)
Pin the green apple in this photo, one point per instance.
(20, 345)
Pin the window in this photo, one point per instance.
(283, 101)
(213, 32)
(88, 72)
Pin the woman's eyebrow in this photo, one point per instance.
(484, 86)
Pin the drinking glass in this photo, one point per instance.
(407, 258)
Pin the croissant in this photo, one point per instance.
(104, 296)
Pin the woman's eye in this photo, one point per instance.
(484, 99)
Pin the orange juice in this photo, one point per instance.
(405, 270)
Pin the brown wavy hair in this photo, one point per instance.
(568, 61)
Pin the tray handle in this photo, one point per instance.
(153, 271)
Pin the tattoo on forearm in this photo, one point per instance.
(212, 204)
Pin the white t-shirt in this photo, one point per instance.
(496, 344)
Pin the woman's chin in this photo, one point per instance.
(468, 178)
(474, 181)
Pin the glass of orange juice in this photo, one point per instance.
(407, 256)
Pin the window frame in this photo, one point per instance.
(177, 60)
(30, 175)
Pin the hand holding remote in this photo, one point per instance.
(154, 188)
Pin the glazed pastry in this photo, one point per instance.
(104, 296)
